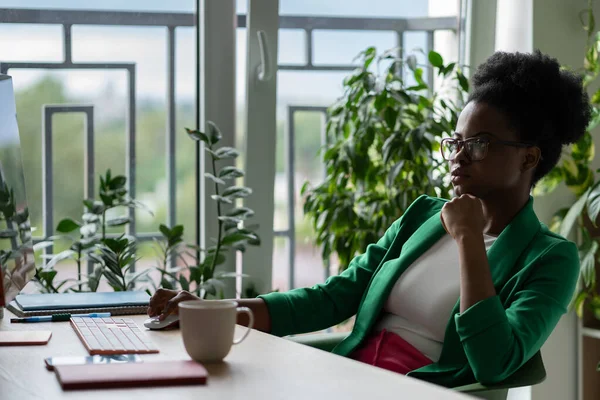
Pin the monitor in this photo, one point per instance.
(17, 261)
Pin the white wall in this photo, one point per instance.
(553, 27)
(557, 31)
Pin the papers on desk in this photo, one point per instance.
(116, 303)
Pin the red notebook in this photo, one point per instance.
(105, 376)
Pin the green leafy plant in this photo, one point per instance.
(117, 256)
(383, 142)
(201, 276)
(88, 238)
(576, 172)
(15, 236)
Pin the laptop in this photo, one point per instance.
(17, 262)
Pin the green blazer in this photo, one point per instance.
(534, 272)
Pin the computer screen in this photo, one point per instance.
(17, 262)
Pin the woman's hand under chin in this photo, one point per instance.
(463, 216)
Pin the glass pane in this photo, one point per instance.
(309, 127)
(415, 43)
(107, 91)
(281, 264)
(185, 154)
(341, 47)
(356, 8)
(139, 45)
(291, 47)
(27, 42)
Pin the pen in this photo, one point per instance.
(58, 317)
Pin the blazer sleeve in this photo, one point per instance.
(498, 341)
(330, 303)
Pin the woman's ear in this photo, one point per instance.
(532, 158)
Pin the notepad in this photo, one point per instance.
(106, 376)
(24, 338)
(64, 301)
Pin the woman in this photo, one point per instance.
(468, 289)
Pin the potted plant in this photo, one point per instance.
(382, 153)
(113, 258)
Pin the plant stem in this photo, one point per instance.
(121, 272)
(220, 223)
(79, 265)
(104, 225)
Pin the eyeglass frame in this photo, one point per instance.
(487, 140)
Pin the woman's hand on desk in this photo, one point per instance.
(165, 302)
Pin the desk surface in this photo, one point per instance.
(262, 367)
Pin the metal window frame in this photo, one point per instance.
(171, 21)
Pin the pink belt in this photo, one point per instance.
(389, 351)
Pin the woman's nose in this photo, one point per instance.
(462, 155)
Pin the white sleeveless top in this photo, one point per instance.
(421, 301)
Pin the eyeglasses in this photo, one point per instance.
(476, 148)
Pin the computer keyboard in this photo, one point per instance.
(108, 336)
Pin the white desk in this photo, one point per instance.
(262, 367)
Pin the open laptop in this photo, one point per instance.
(17, 262)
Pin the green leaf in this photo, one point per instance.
(94, 206)
(463, 81)
(418, 74)
(177, 231)
(394, 172)
(572, 215)
(213, 132)
(67, 225)
(588, 265)
(411, 61)
(117, 182)
(593, 203)
(221, 199)
(238, 237)
(197, 135)
(166, 232)
(107, 200)
(42, 245)
(241, 213)
(231, 220)
(185, 285)
(236, 192)
(229, 172)
(595, 119)
(208, 260)
(578, 303)
(119, 221)
(214, 178)
(56, 258)
(436, 59)
(390, 116)
(226, 153)
(549, 182)
(449, 68)
(195, 274)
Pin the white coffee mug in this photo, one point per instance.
(208, 326)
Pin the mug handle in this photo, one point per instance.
(248, 311)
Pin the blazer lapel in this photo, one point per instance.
(385, 278)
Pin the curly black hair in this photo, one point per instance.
(545, 104)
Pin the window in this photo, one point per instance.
(117, 63)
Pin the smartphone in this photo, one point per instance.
(81, 360)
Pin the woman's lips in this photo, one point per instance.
(458, 175)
